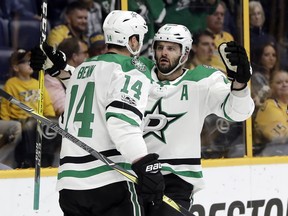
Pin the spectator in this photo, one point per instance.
(10, 136)
(94, 16)
(258, 36)
(265, 61)
(215, 24)
(271, 122)
(97, 44)
(25, 89)
(202, 50)
(76, 52)
(76, 15)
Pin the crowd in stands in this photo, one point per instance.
(75, 28)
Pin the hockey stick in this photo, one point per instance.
(87, 148)
(38, 148)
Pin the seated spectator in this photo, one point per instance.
(271, 122)
(25, 89)
(264, 62)
(215, 24)
(97, 44)
(76, 15)
(94, 16)
(202, 50)
(258, 36)
(10, 137)
(76, 52)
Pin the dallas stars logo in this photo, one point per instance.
(157, 121)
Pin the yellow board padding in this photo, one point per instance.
(27, 173)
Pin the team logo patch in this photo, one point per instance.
(127, 99)
(138, 64)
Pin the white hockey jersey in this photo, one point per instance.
(174, 121)
(105, 103)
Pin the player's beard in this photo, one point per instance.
(164, 69)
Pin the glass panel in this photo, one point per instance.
(268, 43)
(222, 139)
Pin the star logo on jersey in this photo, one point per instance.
(157, 121)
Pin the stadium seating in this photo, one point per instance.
(4, 33)
(29, 5)
(25, 34)
(5, 54)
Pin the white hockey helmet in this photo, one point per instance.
(119, 26)
(177, 34)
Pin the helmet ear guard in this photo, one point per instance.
(119, 26)
(176, 34)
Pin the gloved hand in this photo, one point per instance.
(51, 60)
(236, 61)
(150, 180)
(38, 59)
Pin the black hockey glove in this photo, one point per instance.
(57, 57)
(236, 61)
(38, 59)
(52, 64)
(150, 180)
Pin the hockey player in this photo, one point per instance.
(104, 107)
(177, 108)
(173, 122)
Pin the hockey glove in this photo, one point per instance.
(49, 59)
(57, 57)
(150, 180)
(37, 59)
(236, 61)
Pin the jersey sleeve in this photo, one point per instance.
(231, 105)
(127, 99)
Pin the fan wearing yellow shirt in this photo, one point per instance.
(75, 25)
(25, 88)
(271, 122)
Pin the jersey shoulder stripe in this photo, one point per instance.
(148, 62)
(126, 63)
(199, 73)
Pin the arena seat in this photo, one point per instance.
(5, 54)
(4, 33)
(25, 34)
